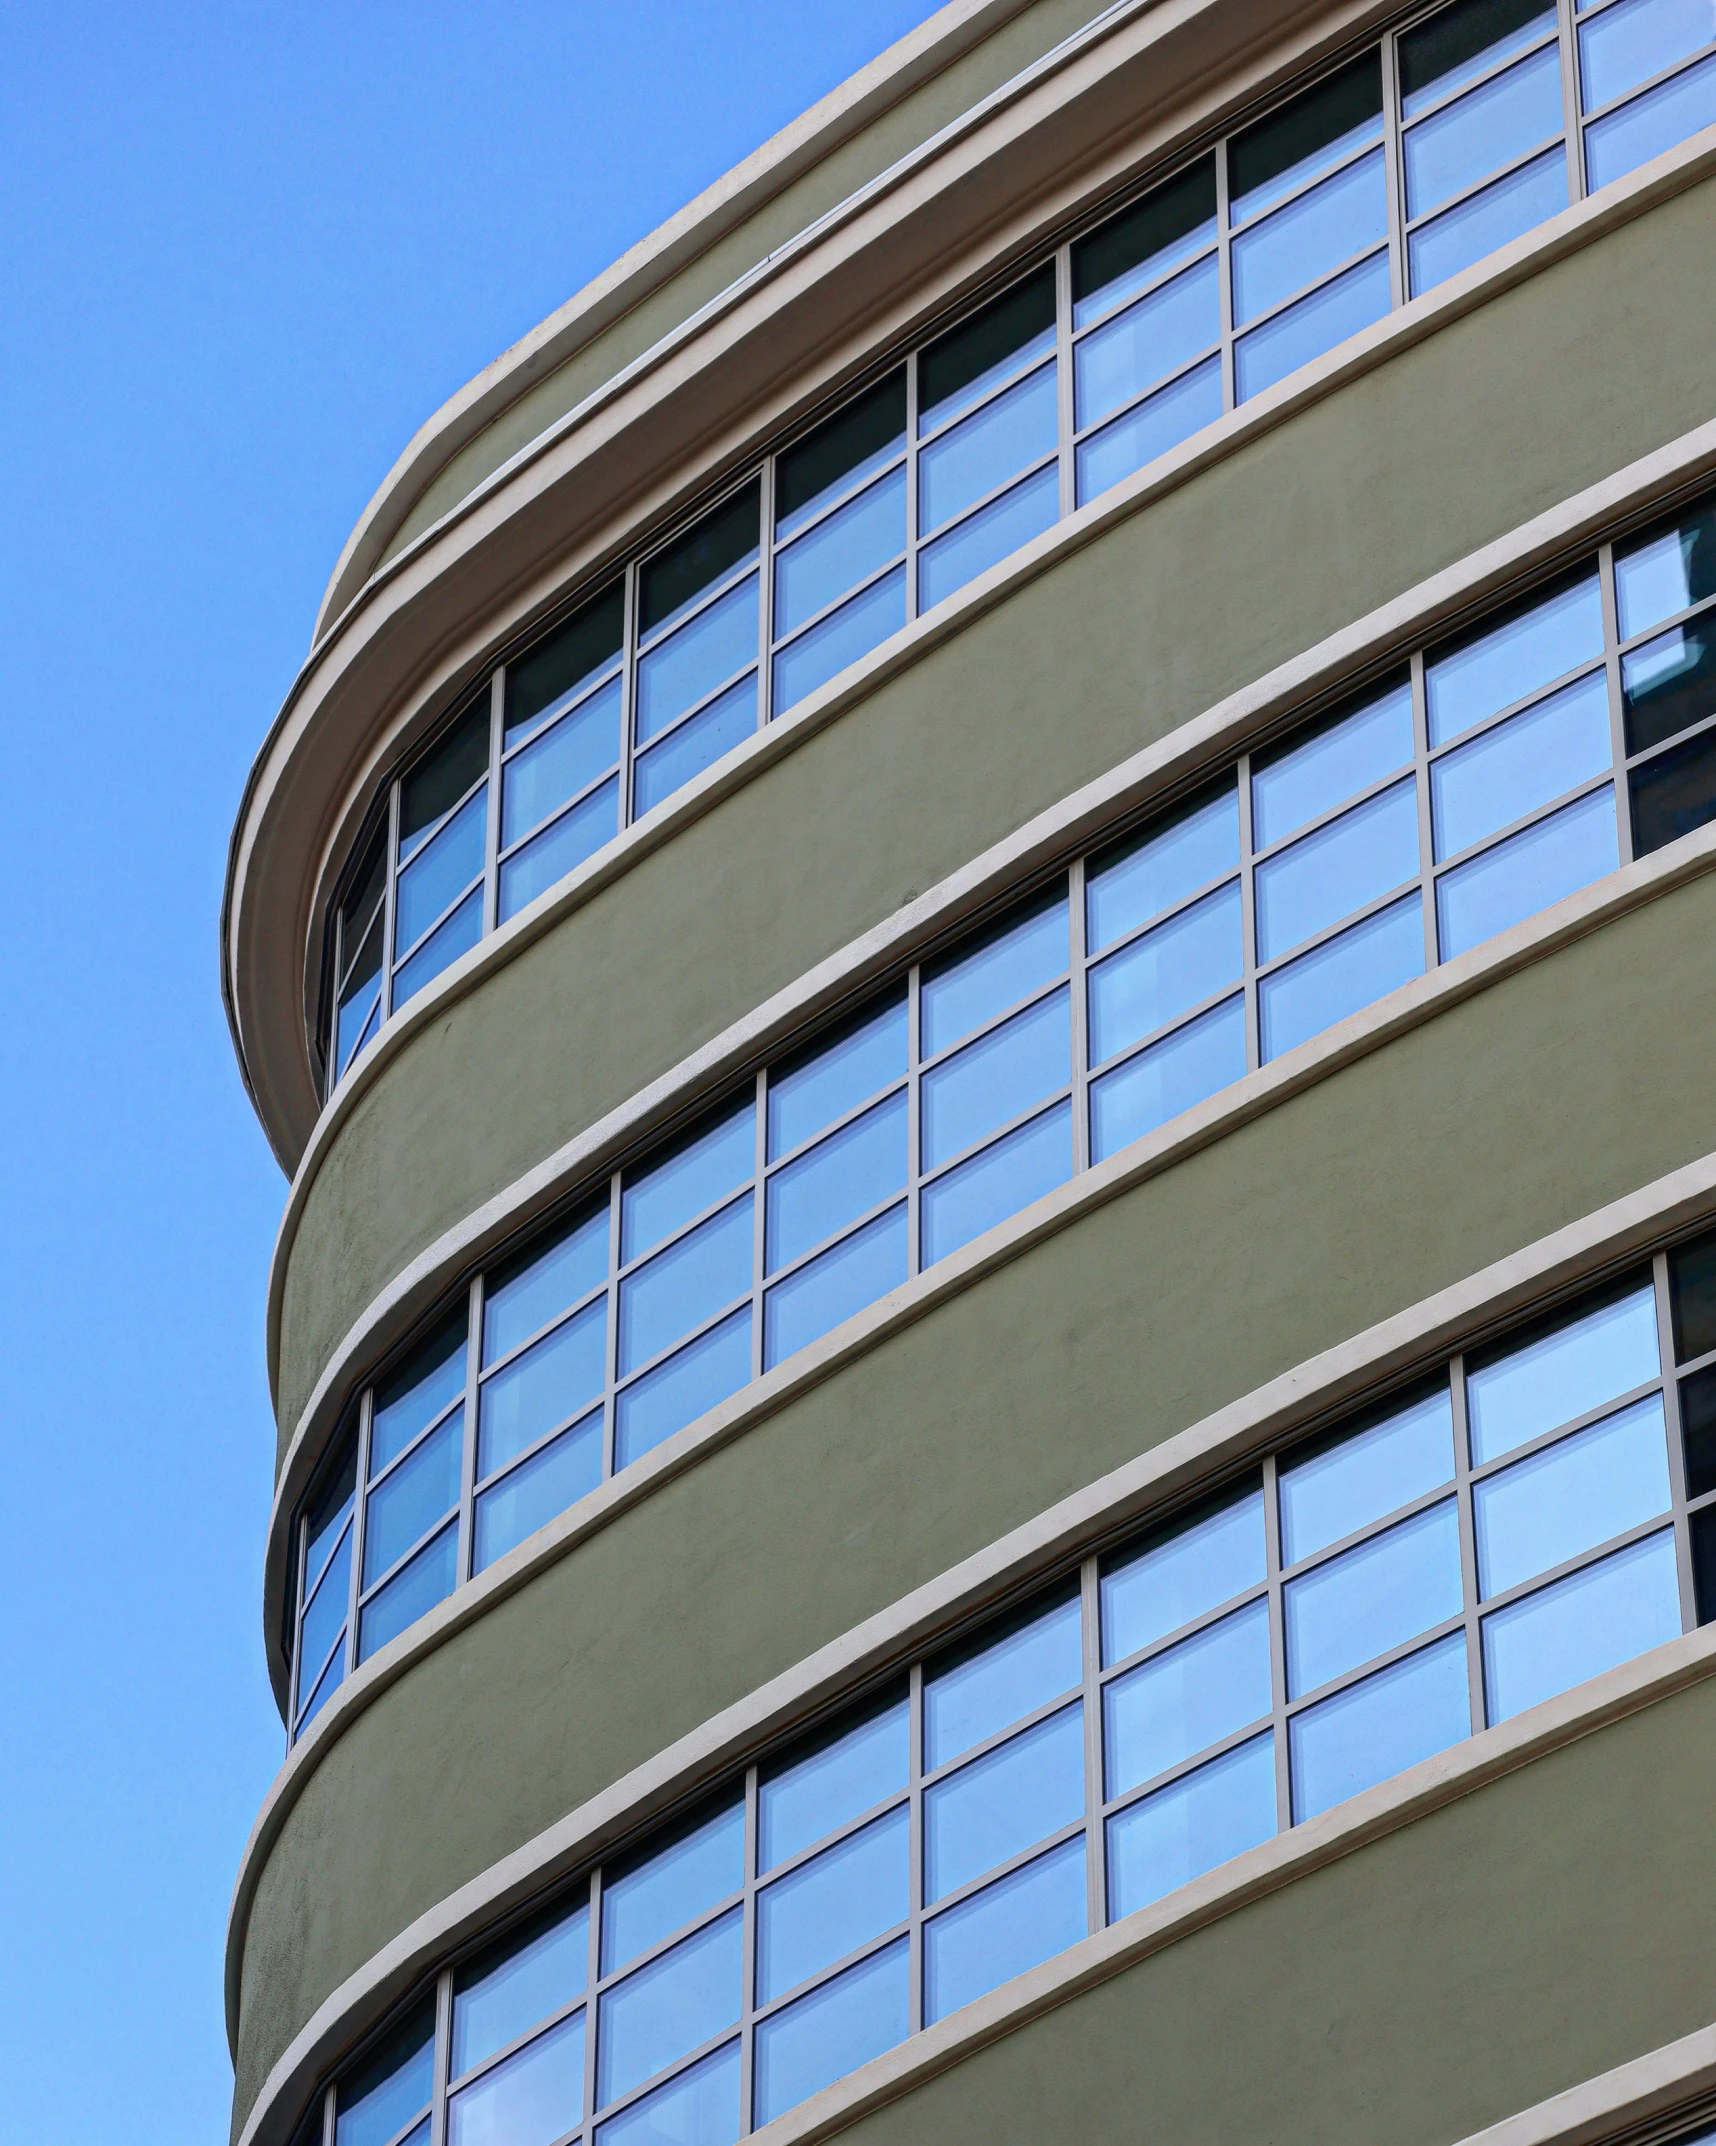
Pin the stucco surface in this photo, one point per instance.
(1506, 1117)
(1442, 448)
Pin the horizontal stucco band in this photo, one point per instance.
(1647, 2099)
(1452, 1775)
(1597, 1243)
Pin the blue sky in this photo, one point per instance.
(244, 252)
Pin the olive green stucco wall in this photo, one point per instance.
(1007, 51)
(1449, 444)
(1505, 1117)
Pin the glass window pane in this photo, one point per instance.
(1377, 1728)
(1497, 778)
(1592, 1620)
(421, 1490)
(332, 1678)
(1674, 794)
(560, 763)
(1542, 864)
(325, 1619)
(358, 996)
(1001, 439)
(1502, 663)
(1149, 429)
(1302, 242)
(996, 1183)
(1166, 972)
(542, 1281)
(1372, 1597)
(851, 632)
(1486, 221)
(440, 950)
(1492, 126)
(962, 366)
(1460, 43)
(839, 552)
(1666, 571)
(1025, 1918)
(851, 446)
(832, 1905)
(846, 1771)
(685, 1285)
(1154, 871)
(362, 905)
(559, 850)
(547, 1385)
(667, 2008)
(699, 2108)
(687, 1386)
(1338, 309)
(684, 753)
(668, 1883)
(1180, 1702)
(1359, 967)
(1196, 1061)
(1670, 683)
(379, 2098)
(1011, 959)
(1548, 1379)
(533, 1972)
(1145, 241)
(1190, 1568)
(1692, 1294)
(412, 1593)
(835, 1075)
(1298, 782)
(1626, 45)
(1345, 864)
(1207, 1818)
(700, 656)
(679, 576)
(1147, 342)
(1571, 1497)
(1305, 137)
(328, 1516)
(530, 2100)
(1343, 1482)
(551, 675)
(997, 1078)
(849, 1275)
(987, 1812)
(992, 534)
(1000, 1678)
(833, 1184)
(833, 2031)
(438, 781)
(661, 1196)
(538, 1491)
(447, 865)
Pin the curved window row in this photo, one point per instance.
(1418, 158)
(1486, 778)
(1533, 1513)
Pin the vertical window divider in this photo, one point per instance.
(1095, 1830)
(491, 835)
(1617, 720)
(1065, 414)
(295, 1698)
(1079, 1011)
(1277, 1644)
(1248, 918)
(592, 1977)
(1394, 171)
(914, 1116)
(1224, 278)
(759, 1223)
(911, 485)
(1468, 1541)
(443, 2055)
(473, 1410)
(915, 1797)
(1677, 1491)
(611, 1357)
(628, 690)
(748, 1959)
(390, 882)
(1567, 37)
(1426, 817)
(360, 1518)
(328, 2117)
(766, 592)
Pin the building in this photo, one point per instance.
(980, 940)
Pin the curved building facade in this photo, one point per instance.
(979, 942)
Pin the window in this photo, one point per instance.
(1527, 1515)
(1378, 182)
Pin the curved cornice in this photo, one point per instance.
(999, 181)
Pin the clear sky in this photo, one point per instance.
(245, 250)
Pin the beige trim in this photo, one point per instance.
(1262, 1418)
(1659, 2085)
(586, 1833)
